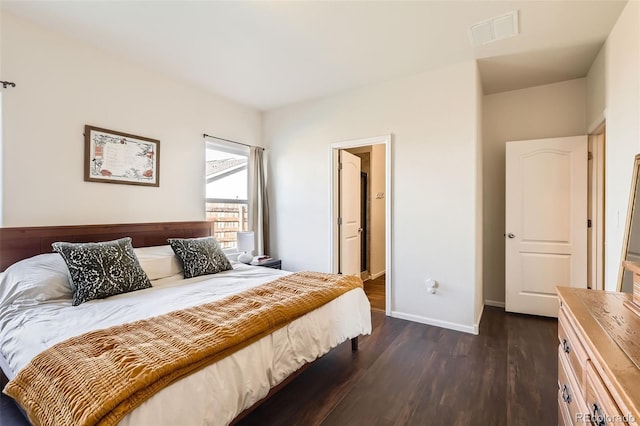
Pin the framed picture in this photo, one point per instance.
(116, 157)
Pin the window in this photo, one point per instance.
(227, 188)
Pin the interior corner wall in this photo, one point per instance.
(479, 201)
(622, 99)
(596, 92)
(432, 117)
(552, 110)
(63, 84)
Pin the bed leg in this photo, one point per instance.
(354, 344)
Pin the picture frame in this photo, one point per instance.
(116, 157)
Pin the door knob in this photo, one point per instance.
(510, 235)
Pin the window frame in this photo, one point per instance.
(234, 148)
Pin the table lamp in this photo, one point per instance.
(246, 243)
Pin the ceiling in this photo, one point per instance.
(267, 54)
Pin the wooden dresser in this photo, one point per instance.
(598, 359)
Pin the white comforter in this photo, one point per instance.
(216, 394)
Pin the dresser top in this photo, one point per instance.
(611, 334)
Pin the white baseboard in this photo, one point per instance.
(471, 329)
(378, 274)
(495, 303)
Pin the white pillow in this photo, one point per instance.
(35, 280)
(158, 261)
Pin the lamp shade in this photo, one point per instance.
(246, 241)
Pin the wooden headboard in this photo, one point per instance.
(20, 243)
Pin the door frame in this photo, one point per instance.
(597, 196)
(334, 242)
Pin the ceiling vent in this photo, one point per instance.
(494, 29)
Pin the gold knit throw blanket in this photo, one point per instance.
(100, 376)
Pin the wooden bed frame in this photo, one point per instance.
(24, 242)
(20, 243)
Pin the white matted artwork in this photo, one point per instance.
(117, 157)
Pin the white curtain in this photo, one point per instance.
(258, 201)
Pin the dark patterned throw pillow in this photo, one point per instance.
(200, 256)
(100, 270)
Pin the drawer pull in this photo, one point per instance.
(566, 396)
(597, 418)
(565, 346)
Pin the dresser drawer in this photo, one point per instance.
(564, 418)
(601, 406)
(571, 349)
(570, 394)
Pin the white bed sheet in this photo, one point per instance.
(218, 393)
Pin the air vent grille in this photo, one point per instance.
(494, 29)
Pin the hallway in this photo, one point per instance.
(375, 291)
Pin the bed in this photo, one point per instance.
(216, 394)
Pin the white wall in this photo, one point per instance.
(622, 99)
(552, 110)
(378, 239)
(62, 85)
(432, 117)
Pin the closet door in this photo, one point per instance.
(546, 222)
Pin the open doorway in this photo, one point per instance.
(367, 191)
(372, 236)
(596, 198)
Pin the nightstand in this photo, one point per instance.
(271, 263)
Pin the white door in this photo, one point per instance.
(546, 222)
(349, 221)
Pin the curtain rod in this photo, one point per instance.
(228, 140)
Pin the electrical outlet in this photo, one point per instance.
(432, 285)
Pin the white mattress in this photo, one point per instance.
(218, 393)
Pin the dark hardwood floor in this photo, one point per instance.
(413, 374)
(375, 291)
